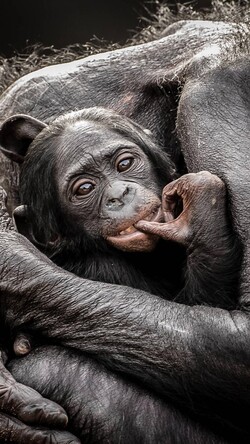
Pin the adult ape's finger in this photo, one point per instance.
(13, 431)
(27, 405)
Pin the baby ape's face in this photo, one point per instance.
(106, 184)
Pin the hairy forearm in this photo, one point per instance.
(212, 272)
(176, 348)
(91, 394)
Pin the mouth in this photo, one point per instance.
(133, 240)
(154, 216)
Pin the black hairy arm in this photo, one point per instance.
(25, 416)
(189, 345)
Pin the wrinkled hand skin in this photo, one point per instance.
(203, 198)
(20, 403)
(24, 414)
(200, 224)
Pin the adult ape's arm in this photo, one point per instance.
(102, 406)
(175, 349)
(21, 405)
(213, 126)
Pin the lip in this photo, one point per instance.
(132, 236)
(154, 216)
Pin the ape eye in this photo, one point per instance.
(83, 188)
(124, 164)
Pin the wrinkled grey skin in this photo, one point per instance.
(201, 351)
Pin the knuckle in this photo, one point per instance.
(168, 188)
(48, 437)
(220, 185)
(202, 179)
(210, 178)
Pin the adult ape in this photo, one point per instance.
(101, 174)
(191, 88)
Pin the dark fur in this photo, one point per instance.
(160, 272)
(196, 357)
(79, 252)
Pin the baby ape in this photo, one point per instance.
(100, 174)
(89, 179)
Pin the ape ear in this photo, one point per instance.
(16, 135)
(22, 224)
(24, 227)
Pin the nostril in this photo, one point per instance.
(115, 198)
(126, 191)
(114, 203)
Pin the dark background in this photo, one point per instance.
(63, 22)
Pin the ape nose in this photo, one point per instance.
(116, 197)
(114, 204)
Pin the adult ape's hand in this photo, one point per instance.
(22, 407)
(24, 414)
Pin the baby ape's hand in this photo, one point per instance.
(201, 197)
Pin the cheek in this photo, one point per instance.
(80, 216)
(155, 184)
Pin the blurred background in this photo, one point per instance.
(63, 22)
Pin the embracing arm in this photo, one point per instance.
(176, 349)
(22, 408)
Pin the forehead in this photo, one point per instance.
(88, 142)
